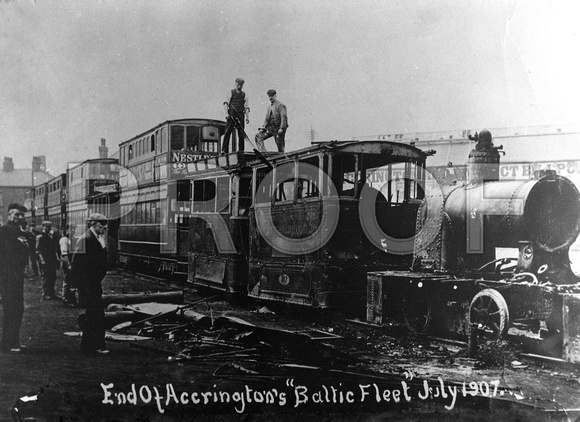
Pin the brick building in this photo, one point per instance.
(15, 182)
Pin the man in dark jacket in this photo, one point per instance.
(13, 259)
(89, 267)
(275, 124)
(48, 258)
(31, 240)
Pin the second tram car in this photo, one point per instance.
(68, 199)
(154, 225)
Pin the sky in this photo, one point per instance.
(73, 72)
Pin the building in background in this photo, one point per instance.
(14, 183)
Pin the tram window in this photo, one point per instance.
(163, 141)
(343, 173)
(263, 189)
(192, 143)
(147, 212)
(307, 189)
(223, 194)
(204, 194)
(177, 137)
(244, 195)
(153, 215)
(183, 191)
(285, 191)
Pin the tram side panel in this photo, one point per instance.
(218, 232)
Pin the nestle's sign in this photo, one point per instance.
(180, 157)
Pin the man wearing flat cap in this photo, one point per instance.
(275, 124)
(47, 257)
(237, 110)
(88, 268)
(13, 258)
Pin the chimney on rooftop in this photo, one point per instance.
(103, 150)
(8, 164)
(39, 163)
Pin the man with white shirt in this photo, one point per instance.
(89, 267)
(68, 295)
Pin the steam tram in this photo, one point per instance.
(156, 194)
(323, 218)
(276, 226)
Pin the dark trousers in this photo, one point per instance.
(280, 139)
(94, 328)
(48, 278)
(13, 308)
(230, 124)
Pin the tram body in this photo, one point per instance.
(219, 223)
(314, 215)
(154, 223)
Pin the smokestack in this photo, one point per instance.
(483, 162)
(103, 150)
(8, 164)
(39, 163)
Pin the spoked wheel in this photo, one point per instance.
(489, 313)
(417, 312)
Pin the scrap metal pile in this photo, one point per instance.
(192, 336)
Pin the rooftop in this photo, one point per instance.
(23, 178)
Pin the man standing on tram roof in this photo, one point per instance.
(275, 124)
(236, 107)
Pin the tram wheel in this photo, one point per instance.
(489, 313)
(417, 311)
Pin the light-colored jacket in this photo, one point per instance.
(278, 119)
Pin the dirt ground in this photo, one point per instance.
(394, 379)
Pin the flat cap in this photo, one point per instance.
(47, 223)
(18, 207)
(240, 81)
(271, 92)
(97, 217)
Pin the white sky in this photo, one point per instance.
(72, 72)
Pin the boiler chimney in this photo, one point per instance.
(103, 150)
(8, 164)
(484, 159)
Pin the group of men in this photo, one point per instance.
(238, 113)
(85, 271)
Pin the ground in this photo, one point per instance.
(317, 383)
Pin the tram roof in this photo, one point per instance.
(374, 147)
(176, 121)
